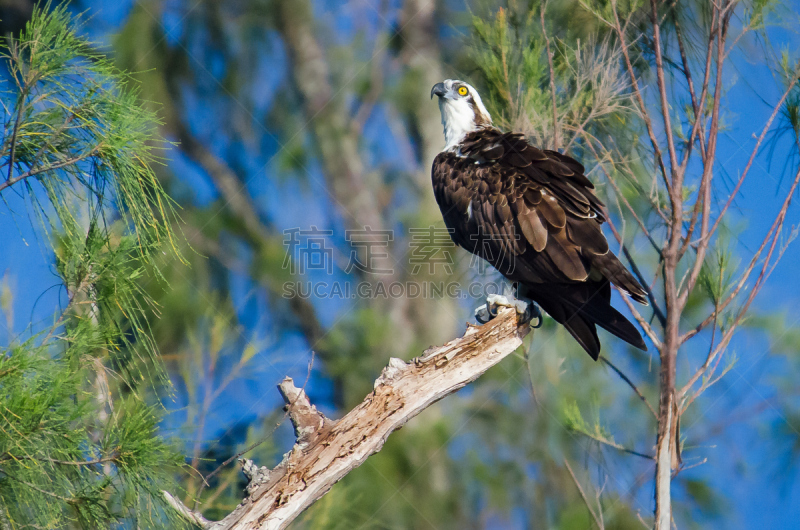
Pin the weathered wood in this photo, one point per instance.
(326, 450)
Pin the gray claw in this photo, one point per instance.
(482, 315)
(531, 312)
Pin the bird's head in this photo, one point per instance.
(462, 110)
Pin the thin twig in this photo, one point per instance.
(703, 241)
(552, 78)
(615, 445)
(746, 274)
(662, 91)
(36, 488)
(630, 383)
(182, 509)
(15, 130)
(619, 193)
(52, 167)
(708, 165)
(254, 444)
(103, 460)
(638, 273)
(651, 334)
(638, 94)
(764, 131)
(772, 235)
(684, 468)
(703, 194)
(696, 102)
(583, 496)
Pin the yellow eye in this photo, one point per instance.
(462, 91)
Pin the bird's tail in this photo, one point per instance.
(581, 307)
(609, 266)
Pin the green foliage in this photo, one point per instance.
(77, 129)
(63, 463)
(789, 72)
(717, 273)
(590, 91)
(356, 338)
(79, 443)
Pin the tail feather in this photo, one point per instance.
(585, 333)
(610, 267)
(611, 320)
(579, 307)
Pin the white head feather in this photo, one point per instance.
(461, 114)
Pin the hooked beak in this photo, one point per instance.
(438, 90)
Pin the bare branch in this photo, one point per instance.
(637, 92)
(583, 495)
(708, 169)
(703, 195)
(662, 91)
(552, 78)
(703, 242)
(653, 302)
(751, 266)
(327, 450)
(630, 383)
(52, 167)
(696, 102)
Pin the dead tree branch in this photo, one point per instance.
(327, 450)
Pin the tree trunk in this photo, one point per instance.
(666, 446)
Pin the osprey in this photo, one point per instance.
(532, 214)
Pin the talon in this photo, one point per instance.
(482, 315)
(490, 309)
(536, 313)
(528, 311)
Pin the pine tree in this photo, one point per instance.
(79, 442)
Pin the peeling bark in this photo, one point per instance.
(326, 450)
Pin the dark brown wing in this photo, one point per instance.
(533, 215)
(504, 197)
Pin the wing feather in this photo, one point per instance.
(533, 215)
(587, 236)
(503, 196)
(552, 211)
(566, 257)
(533, 229)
